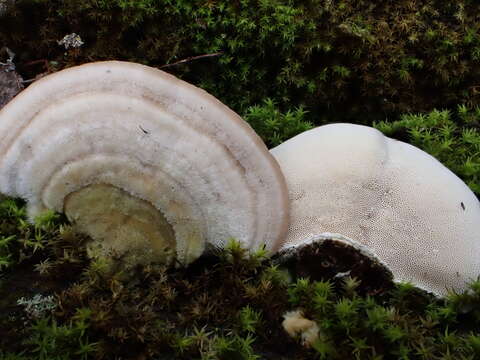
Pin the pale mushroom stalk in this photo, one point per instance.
(141, 161)
(400, 202)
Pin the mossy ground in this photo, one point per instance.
(227, 305)
(352, 61)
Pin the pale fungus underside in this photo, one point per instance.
(119, 223)
(412, 212)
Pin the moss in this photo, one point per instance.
(227, 305)
(352, 61)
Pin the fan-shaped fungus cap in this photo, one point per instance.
(140, 159)
(410, 210)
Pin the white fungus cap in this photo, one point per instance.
(411, 211)
(155, 137)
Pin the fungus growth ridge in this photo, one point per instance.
(139, 159)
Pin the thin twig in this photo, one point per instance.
(46, 66)
(44, 62)
(191, 58)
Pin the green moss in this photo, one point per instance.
(51, 341)
(352, 61)
(227, 305)
(275, 126)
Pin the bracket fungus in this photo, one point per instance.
(404, 205)
(139, 159)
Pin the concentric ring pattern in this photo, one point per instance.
(152, 135)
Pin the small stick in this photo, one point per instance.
(191, 58)
(46, 66)
(44, 62)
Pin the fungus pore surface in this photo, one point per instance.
(411, 211)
